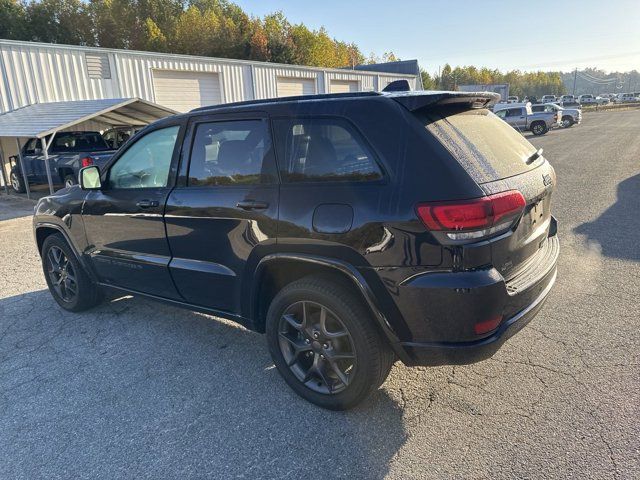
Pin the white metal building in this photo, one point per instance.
(38, 72)
(35, 73)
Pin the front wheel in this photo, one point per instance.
(17, 183)
(539, 128)
(68, 282)
(325, 344)
(567, 121)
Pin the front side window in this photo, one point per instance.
(147, 162)
(323, 149)
(514, 112)
(231, 153)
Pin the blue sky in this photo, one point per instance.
(492, 33)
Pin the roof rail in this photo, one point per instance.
(299, 98)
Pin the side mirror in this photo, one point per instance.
(90, 178)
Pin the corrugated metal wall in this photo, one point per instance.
(36, 72)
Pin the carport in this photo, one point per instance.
(45, 120)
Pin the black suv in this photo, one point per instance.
(354, 229)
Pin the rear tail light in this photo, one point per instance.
(86, 162)
(473, 219)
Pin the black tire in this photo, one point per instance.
(16, 180)
(539, 128)
(70, 180)
(372, 356)
(61, 275)
(567, 121)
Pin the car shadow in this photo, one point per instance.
(617, 230)
(134, 388)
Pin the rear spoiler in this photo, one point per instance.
(413, 101)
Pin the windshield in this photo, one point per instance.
(78, 142)
(487, 147)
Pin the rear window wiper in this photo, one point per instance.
(534, 157)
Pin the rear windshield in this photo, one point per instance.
(78, 142)
(488, 148)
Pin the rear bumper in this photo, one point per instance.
(442, 309)
(462, 353)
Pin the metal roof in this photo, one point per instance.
(41, 119)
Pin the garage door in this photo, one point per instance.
(288, 87)
(184, 91)
(343, 86)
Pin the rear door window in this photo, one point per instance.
(323, 150)
(488, 148)
(78, 142)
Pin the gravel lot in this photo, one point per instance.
(139, 389)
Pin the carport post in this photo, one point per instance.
(45, 152)
(24, 172)
(4, 174)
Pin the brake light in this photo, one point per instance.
(86, 162)
(475, 218)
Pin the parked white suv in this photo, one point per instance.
(548, 99)
(626, 98)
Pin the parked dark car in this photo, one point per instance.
(354, 229)
(69, 152)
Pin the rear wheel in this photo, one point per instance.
(567, 121)
(539, 128)
(325, 344)
(68, 282)
(17, 183)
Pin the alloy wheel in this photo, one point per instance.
(317, 347)
(61, 274)
(15, 182)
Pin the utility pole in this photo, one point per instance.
(575, 77)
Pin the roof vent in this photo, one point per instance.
(98, 65)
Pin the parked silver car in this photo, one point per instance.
(568, 116)
(521, 117)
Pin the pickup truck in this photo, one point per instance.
(587, 99)
(568, 116)
(69, 152)
(521, 118)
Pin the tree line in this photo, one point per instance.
(215, 28)
(520, 83)
(220, 28)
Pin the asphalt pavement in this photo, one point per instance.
(136, 389)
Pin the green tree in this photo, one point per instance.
(12, 20)
(155, 40)
(59, 21)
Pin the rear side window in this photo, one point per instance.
(78, 142)
(231, 153)
(488, 148)
(323, 150)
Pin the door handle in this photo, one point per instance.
(147, 203)
(252, 205)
